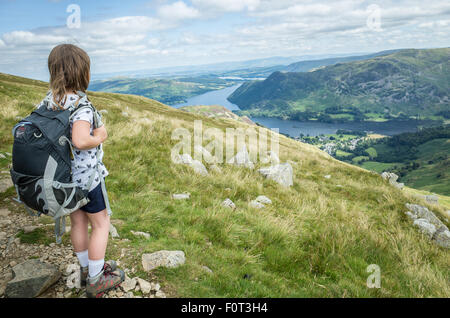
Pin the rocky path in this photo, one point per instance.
(14, 223)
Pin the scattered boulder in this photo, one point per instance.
(2, 156)
(129, 283)
(327, 176)
(429, 224)
(29, 228)
(199, 168)
(434, 199)
(229, 204)
(263, 199)
(281, 173)
(145, 286)
(425, 227)
(422, 212)
(146, 235)
(242, 158)
(194, 164)
(442, 237)
(73, 276)
(255, 204)
(207, 269)
(163, 258)
(392, 178)
(181, 196)
(31, 278)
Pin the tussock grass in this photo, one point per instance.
(315, 240)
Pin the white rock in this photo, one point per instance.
(207, 269)
(229, 204)
(423, 213)
(434, 199)
(327, 176)
(181, 196)
(73, 278)
(242, 158)
(163, 258)
(263, 199)
(442, 237)
(255, 204)
(185, 159)
(199, 168)
(29, 228)
(136, 233)
(281, 173)
(411, 215)
(160, 294)
(145, 286)
(425, 227)
(2, 156)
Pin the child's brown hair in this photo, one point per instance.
(69, 68)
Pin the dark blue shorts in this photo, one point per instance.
(97, 201)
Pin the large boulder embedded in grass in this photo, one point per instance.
(392, 178)
(163, 258)
(281, 173)
(429, 224)
(31, 278)
(242, 158)
(194, 164)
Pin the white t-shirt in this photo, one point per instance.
(84, 161)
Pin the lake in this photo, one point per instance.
(313, 128)
(218, 97)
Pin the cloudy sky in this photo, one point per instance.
(143, 34)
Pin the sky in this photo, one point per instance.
(137, 35)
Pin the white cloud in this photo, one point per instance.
(227, 5)
(177, 11)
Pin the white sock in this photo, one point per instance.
(95, 266)
(83, 258)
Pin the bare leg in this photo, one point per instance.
(99, 235)
(79, 230)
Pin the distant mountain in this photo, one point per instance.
(405, 83)
(302, 66)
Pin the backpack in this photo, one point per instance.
(41, 163)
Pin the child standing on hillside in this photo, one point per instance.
(69, 68)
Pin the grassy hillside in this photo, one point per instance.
(315, 240)
(398, 85)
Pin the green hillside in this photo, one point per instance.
(316, 239)
(421, 159)
(169, 91)
(399, 85)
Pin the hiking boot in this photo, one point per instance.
(84, 271)
(105, 280)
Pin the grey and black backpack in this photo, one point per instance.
(41, 163)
